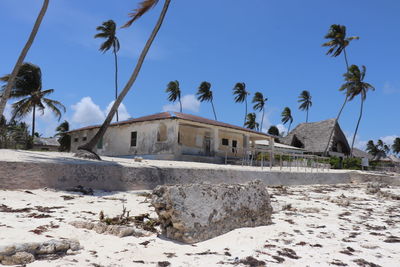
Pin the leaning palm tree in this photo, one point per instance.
(204, 93)
(108, 31)
(28, 91)
(338, 43)
(240, 93)
(259, 105)
(10, 84)
(144, 6)
(355, 86)
(305, 100)
(174, 93)
(64, 138)
(251, 121)
(287, 117)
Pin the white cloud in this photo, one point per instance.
(389, 88)
(87, 112)
(282, 129)
(361, 144)
(122, 112)
(189, 103)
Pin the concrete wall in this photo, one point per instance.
(113, 176)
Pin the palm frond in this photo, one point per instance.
(144, 6)
(173, 90)
(204, 92)
(55, 106)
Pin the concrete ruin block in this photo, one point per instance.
(196, 212)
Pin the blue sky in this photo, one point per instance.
(273, 46)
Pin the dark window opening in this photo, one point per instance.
(84, 138)
(179, 137)
(234, 145)
(225, 142)
(296, 142)
(76, 139)
(133, 138)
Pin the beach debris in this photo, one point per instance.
(163, 264)
(25, 253)
(117, 230)
(364, 263)
(137, 159)
(81, 189)
(196, 212)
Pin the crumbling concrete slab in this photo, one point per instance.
(196, 212)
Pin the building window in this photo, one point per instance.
(133, 138)
(225, 142)
(76, 139)
(84, 138)
(100, 143)
(234, 146)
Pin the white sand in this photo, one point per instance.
(313, 221)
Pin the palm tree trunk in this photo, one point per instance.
(215, 115)
(116, 79)
(307, 116)
(21, 58)
(33, 121)
(290, 124)
(100, 133)
(358, 123)
(245, 113)
(340, 112)
(333, 128)
(180, 104)
(262, 120)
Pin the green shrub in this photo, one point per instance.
(335, 162)
(352, 163)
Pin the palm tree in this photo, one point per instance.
(10, 84)
(174, 93)
(28, 89)
(259, 105)
(251, 121)
(204, 93)
(287, 117)
(240, 93)
(64, 139)
(338, 43)
(108, 31)
(355, 86)
(273, 130)
(305, 100)
(396, 145)
(144, 6)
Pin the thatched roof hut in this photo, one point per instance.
(358, 153)
(313, 137)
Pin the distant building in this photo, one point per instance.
(313, 137)
(172, 136)
(45, 144)
(282, 148)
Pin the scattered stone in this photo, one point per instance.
(392, 239)
(4, 208)
(27, 252)
(117, 230)
(278, 259)
(196, 212)
(338, 262)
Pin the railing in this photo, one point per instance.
(268, 158)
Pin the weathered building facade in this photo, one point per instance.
(171, 136)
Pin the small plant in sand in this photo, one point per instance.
(142, 221)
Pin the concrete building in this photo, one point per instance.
(172, 136)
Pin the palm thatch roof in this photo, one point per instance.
(358, 153)
(41, 141)
(314, 136)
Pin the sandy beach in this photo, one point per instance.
(318, 225)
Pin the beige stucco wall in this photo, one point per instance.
(117, 139)
(192, 140)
